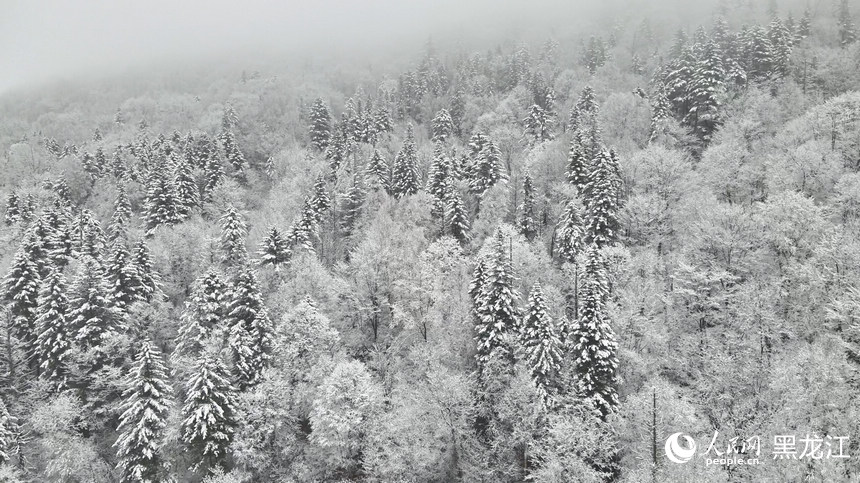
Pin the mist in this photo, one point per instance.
(62, 41)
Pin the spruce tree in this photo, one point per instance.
(187, 192)
(121, 214)
(593, 343)
(91, 313)
(443, 126)
(233, 231)
(540, 342)
(538, 124)
(458, 110)
(527, 223)
(377, 173)
(706, 88)
(233, 154)
(497, 310)
(320, 128)
(122, 277)
(53, 339)
(487, 170)
(602, 225)
(320, 202)
(351, 206)
(161, 204)
(204, 311)
(439, 180)
(250, 330)
(145, 408)
(803, 28)
(13, 212)
(457, 218)
(209, 415)
(847, 29)
(274, 249)
(7, 434)
(406, 177)
(595, 54)
(21, 292)
(571, 232)
(781, 40)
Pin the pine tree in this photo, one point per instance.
(487, 170)
(38, 245)
(439, 180)
(458, 110)
(250, 329)
(706, 89)
(594, 346)
(145, 408)
(319, 201)
(527, 222)
(53, 340)
(91, 315)
(21, 291)
(274, 249)
(62, 240)
(758, 53)
(233, 231)
(595, 54)
(7, 434)
(570, 232)
(443, 126)
(457, 218)
(187, 192)
(538, 124)
(208, 414)
(578, 166)
(382, 121)
(406, 178)
(13, 212)
(803, 29)
(602, 225)
(161, 205)
(122, 277)
(320, 128)
(377, 173)
(146, 284)
(204, 312)
(498, 313)
(233, 154)
(847, 29)
(121, 214)
(781, 40)
(540, 342)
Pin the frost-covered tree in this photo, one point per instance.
(351, 206)
(53, 339)
(602, 195)
(233, 232)
(487, 169)
(538, 124)
(593, 343)
(595, 54)
(274, 249)
(7, 434)
(571, 232)
(122, 277)
(528, 225)
(161, 205)
(209, 414)
(121, 214)
(439, 180)
(233, 154)
(320, 127)
(250, 330)
(443, 126)
(377, 173)
(320, 202)
(145, 407)
(496, 305)
(847, 28)
(91, 310)
(204, 312)
(21, 293)
(406, 178)
(146, 285)
(13, 211)
(457, 217)
(187, 192)
(540, 342)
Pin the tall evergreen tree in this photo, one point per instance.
(497, 310)
(595, 54)
(320, 202)
(53, 340)
(443, 126)
(527, 222)
(320, 128)
(233, 154)
(803, 28)
(146, 284)
(250, 329)
(352, 205)
(205, 310)
(121, 214)
(406, 177)
(274, 249)
(593, 344)
(187, 192)
(161, 205)
(457, 217)
(706, 89)
(13, 212)
(571, 232)
(7, 434)
(233, 232)
(541, 343)
(377, 173)
(602, 225)
(209, 414)
(487, 170)
(847, 28)
(91, 315)
(439, 180)
(458, 110)
(145, 409)
(538, 124)
(21, 292)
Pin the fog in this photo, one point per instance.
(60, 40)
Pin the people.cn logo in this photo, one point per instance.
(677, 453)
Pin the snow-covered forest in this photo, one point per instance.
(532, 258)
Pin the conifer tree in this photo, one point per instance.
(758, 53)
(274, 249)
(803, 28)
(595, 54)
(570, 232)
(233, 231)
(204, 311)
(487, 170)
(250, 329)
(7, 434)
(320, 128)
(352, 205)
(781, 40)
(443, 126)
(439, 180)
(62, 240)
(53, 339)
(457, 218)
(13, 212)
(161, 205)
(320, 202)
(146, 285)
(122, 277)
(121, 214)
(706, 88)
(497, 310)
(527, 222)
(209, 415)
(457, 111)
(21, 292)
(38, 245)
(540, 342)
(233, 154)
(145, 407)
(594, 346)
(538, 124)
(187, 192)
(602, 191)
(91, 316)
(406, 178)
(847, 29)
(377, 173)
